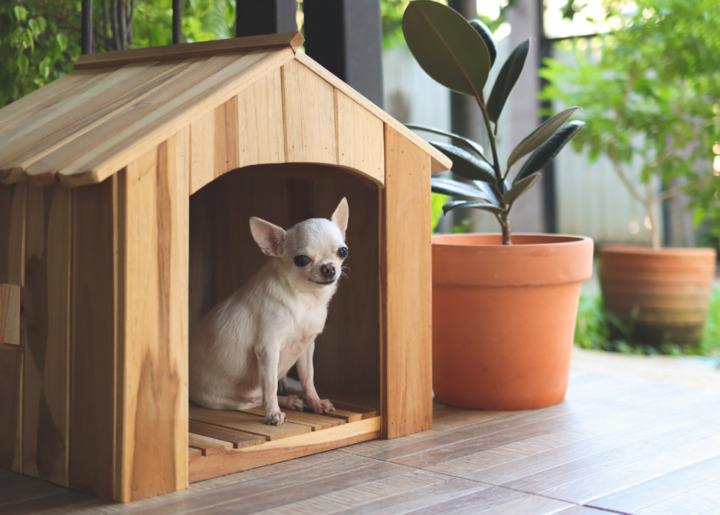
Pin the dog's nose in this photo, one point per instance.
(328, 270)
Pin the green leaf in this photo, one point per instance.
(466, 165)
(540, 135)
(20, 13)
(456, 188)
(462, 140)
(22, 64)
(548, 150)
(446, 46)
(520, 187)
(44, 67)
(485, 206)
(62, 41)
(488, 38)
(506, 80)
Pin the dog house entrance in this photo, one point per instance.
(347, 355)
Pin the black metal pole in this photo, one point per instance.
(255, 17)
(177, 22)
(86, 29)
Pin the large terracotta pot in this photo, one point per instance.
(504, 318)
(663, 295)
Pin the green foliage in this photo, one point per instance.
(35, 47)
(651, 93)
(459, 55)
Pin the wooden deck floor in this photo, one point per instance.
(616, 444)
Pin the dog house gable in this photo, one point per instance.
(96, 174)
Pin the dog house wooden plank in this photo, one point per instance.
(11, 362)
(119, 90)
(260, 122)
(46, 301)
(12, 233)
(407, 339)
(235, 437)
(247, 422)
(194, 453)
(226, 137)
(153, 303)
(93, 340)
(360, 138)
(10, 314)
(283, 449)
(309, 116)
(208, 445)
(315, 421)
(123, 140)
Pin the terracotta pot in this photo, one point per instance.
(667, 290)
(504, 318)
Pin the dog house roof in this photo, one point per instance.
(115, 106)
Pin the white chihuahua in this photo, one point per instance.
(248, 342)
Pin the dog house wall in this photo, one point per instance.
(97, 172)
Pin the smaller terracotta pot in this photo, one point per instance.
(663, 294)
(504, 318)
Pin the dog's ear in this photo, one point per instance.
(270, 238)
(340, 216)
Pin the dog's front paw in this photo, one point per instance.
(321, 405)
(294, 402)
(274, 418)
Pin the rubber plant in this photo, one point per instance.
(459, 55)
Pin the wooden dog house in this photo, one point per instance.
(125, 191)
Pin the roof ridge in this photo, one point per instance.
(188, 50)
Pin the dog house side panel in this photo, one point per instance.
(12, 233)
(406, 284)
(93, 339)
(153, 317)
(360, 138)
(46, 335)
(11, 362)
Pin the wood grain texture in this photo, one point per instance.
(13, 199)
(11, 391)
(189, 51)
(236, 437)
(10, 314)
(309, 116)
(247, 422)
(406, 286)
(46, 338)
(93, 339)
(153, 306)
(360, 138)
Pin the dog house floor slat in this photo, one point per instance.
(313, 420)
(247, 422)
(233, 441)
(237, 438)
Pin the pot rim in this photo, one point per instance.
(456, 240)
(620, 248)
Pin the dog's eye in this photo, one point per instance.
(301, 261)
(342, 252)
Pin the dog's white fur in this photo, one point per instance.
(248, 342)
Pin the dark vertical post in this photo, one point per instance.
(345, 36)
(254, 17)
(177, 22)
(465, 115)
(86, 17)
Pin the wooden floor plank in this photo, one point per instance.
(247, 422)
(208, 445)
(237, 438)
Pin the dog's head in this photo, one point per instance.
(312, 252)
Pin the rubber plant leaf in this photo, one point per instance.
(540, 135)
(456, 188)
(485, 206)
(520, 187)
(506, 80)
(467, 165)
(488, 38)
(548, 150)
(446, 46)
(460, 140)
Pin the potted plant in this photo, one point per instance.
(652, 100)
(504, 305)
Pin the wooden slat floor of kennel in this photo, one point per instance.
(224, 442)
